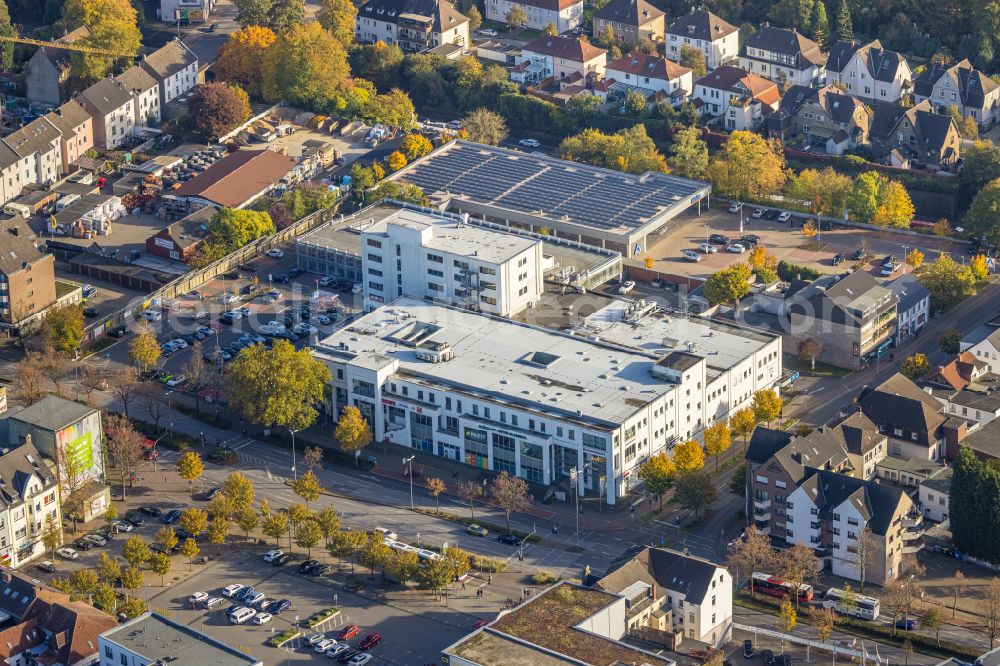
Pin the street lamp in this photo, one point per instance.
(576, 494)
(295, 473)
(408, 464)
(905, 248)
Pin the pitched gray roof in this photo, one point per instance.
(932, 129)
(136, 78)
(909, 290)
(877, 502)
(899, 403)
(838, 106)
(53, 413)
(37, 136)
(669, 569)
(629, 12)
(972, 84)
(17, 246)
(882, 64)
(765, 442)
(700, 24)
(168, 60)
(857, 434)
(786, 42)
(68, 117)
(107, 95)
(819, 449)
(443, 13)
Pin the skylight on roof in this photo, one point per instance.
(541, 359)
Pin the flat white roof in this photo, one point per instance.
(453, 237)
(524, 365)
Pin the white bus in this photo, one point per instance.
(866, 607)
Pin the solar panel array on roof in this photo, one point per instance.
(591, 196)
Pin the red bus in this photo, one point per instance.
(768, 584)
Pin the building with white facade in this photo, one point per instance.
(112, 106)
(445, 259)
(29, 498)
(830, 512)
(706, 32)
(783, 56)
(39, 148)
(986, 350)
(164, 641)
(869, 71)
(914, 307)
(559, 58)
(654, 76)
(690, 595)
(539, 403)
(174, 66)
(415, 25)
(146, 91)
(935, 496)
(741, 97)
(959, 85)
(563, 14)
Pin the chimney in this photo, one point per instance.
(6, 577)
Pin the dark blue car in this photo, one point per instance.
(244, 593)
(279, 607)
(172, 516)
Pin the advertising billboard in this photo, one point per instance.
(80, 443)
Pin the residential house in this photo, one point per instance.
(112, 106)
(76, 131)
(39, 147)
(825, 119)
(853, 315)
(869, 71)
(742, 98)
(559, 58)
(685, 594)
(988, 351)
(915, 136)
(27, 276)
(833, 512)
(416, 25)
(910, 417)
(29, 501)
(180, 240)
(908, 472)
(45, 626)
(185, 12)
(959, 85)
(866, 447)
(563, 14)
(146, 92)
(175, 67)
(783, 56)
(654, 76)
(10, 173)
(914, 306)
(776, 464)
(630, 21)
(984, 442)
(47, 71)
(966, 388)
(702, 30)
(935, 495)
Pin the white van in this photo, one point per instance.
(16, 209)
(63, 203)
(241, 615)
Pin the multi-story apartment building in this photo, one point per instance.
(630, 21)
(146, 93)
(681, 593)
(832, 513)
(112, 107)
(165, 641)
(174, 66)
(853, 315)
(868, 71)
(29, 499)
(559, 57)
(539, 403)
(987, 350)
(416, 25)
(959, 85)
(443, 258)
(914, 307)
(911, 418)
(39, 147)
(76, 130)
(563, 14)
(916, 135)
(737, 95)
(706, 32)
(48, 69)
(823, 117)
(783, 56)
(27, 277)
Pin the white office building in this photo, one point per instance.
(154, 639)
(441, 257)
(623, 384)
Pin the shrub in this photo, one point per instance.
(544, 578)
(282, 638)
(319, 617)
(486, 564)
(787, 271)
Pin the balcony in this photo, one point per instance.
(763, 526)
(913, 547)
(762, 514)
(912, 521)
(761, 503)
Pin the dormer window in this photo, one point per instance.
(690, 29)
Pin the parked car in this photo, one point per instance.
(509, 538)
(718, 239)
(280, 607)
(529, 143)
(312, 639)
(46, 566)
(370, 641)
(176, 380)
(151, 511)
(348, 632)
(735, 248)
(784, 216)
(94, 539)
(326, 281)
(197, 597)
(837, 259)
(275, 253)
(360, 659)
(767, 657)
(262, 618)
(906, 625)
(172, 516)
(858, 255)
(757, 213)
(626, 287)
(213, 493)
(244, 593)
(888, 260)
(888, 269)
(83, 544)
(747, 649)
(690, 255)
(749, 240)
(771, 214)
(307, 565)
(487, 32)
(254, 599)
(321, 569)
(282, 560)
(324, 645)
(135, 519)
(270, 555)
(735, 207)
(123, 525)
(67, 553)
(707, 248)
(337, 650)
(477, 530)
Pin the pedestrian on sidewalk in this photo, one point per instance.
(463, 584)
(489, 581)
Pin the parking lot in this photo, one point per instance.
(784, 241)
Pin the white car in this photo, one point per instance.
(327, 281)
(360, 660)
(262, 618)
(487, 32)
(691, 255)
(152, 315)
(67, 553)
(736, 248)
(254, 599)
(122, 526)
(275, 253)
(757, 213)
(180, 344)
(325, 645)
(529, 143)
(337, 650)
(96, 540)
(626, 287)
(228, 298)
(273, 554)
(385, 533)
(176, 381)
(357, 289)
(306, 329)
(231, 591)
(197, 597)
(784, 216)
(312, 639)
(735, 207)
(213, 602)
(708, 248)
(455, 125)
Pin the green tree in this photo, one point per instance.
(105, 598)
(932, 621)
(630, 150)
(415, 146)
(353, 431)
(84, 582)
(738, 481)
(950, 341)
(159, 564)
(52, 536)
(915, 366)
(515, 18)
(583, 106)
(239, 490)
(239, 58)
(62, 329)
(435, 575)
(113, 27)
(865, 198)
(347, 544)
(194, 521)
(190, 467)
(285, 14)
(718, 439)
(402, 565)
(307, 66)
(845, 28)
(485, 126)
(728, 285)
(475, 18)
(252, 12)
(975, 506)
(275, 526)
(248, 520)
(748, 167)
(108, 570)
(983, 218)
(688, 154)
(6, 30)
(307, 535)
(307, 487)
(693, 59)
(820, 24)
(694, 490)
(635, 103)
(510, 493)
(218, 530)
(981, 165)
(948, 282)
(132, 607)
(338, 18)
(132, 578)
(658, 473)
(232, 229)
(374, 553)
(280, 386)
(766, 406)
(329, 522)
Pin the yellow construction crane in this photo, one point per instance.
(68, 47)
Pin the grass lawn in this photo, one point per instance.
(527, 34)
(792, 362)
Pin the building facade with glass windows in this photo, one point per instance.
(535, 402)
